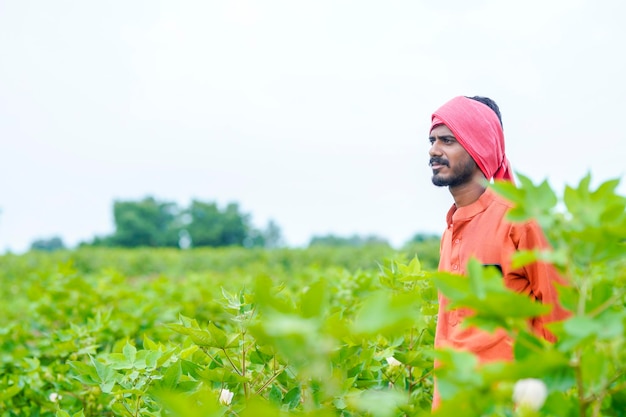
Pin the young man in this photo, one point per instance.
(467, 151)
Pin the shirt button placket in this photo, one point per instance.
(456, 250)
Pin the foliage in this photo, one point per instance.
(49, 244)
(208, 226)
(354, 240)
(424, 237)
(144, 223)
(585, 371)
(98, 342)
(316, 332)
(426, 247)
(152, 223)
(271, 235)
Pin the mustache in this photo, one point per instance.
(439, 161)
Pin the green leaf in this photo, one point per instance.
(149, 344)
(293, 397)
(457, 371)
(107, 377)
(411, 271)
(120, 410)
(384, 313)
(378, 403)
(577, 329)
(9, 392)
(172, 376)
(453, 286)
(220, 340)
(561, 405)
(84, 373)
(568, 296)
(476, 280)
(276, 395)
(527, 345)
(312, 301)
(600, 296)
(493, 305)
(151, 359)
(199, 336)
(130, 352)
(530, 201)
(202, 402)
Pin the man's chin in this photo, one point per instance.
(439, 182)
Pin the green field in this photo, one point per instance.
(311, 332)
(117, 332)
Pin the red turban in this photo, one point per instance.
(478, 130)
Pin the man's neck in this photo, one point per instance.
(466, 194)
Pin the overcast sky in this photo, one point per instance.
(314, 114)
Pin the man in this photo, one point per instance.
(467, 151)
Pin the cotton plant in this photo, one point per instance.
(226, 396)
(582, 374)
(529, 395)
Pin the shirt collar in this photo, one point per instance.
(467, 212)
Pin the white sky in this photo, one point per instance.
(314, 114)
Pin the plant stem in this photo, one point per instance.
(137, 407)
(582, 402)
(608, 303)
(246, 387)
(232, 363)
(269, 381)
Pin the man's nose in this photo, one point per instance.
(434, 149)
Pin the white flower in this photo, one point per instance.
(393, 362)
(226, 396)
(54, 397)
(530, 393)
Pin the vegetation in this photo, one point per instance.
(323, 331)
(354, 240)
(48, 244)
(153, 223)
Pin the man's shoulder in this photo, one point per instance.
(500, 206)
(494, 199)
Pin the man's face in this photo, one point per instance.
(452, 165)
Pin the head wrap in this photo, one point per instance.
(478, 130)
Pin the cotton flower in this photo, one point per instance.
(54, 397)
(393, 362)
(226, 396)
(530, 393)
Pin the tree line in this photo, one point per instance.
(153, 223)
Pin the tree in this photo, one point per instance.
(208, 226)
(354, 240)
(48, 245)
(272, 235)
(145, 223)
(424, 237)
(269, 238)
(163, 224)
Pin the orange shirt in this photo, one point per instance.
(480, 230)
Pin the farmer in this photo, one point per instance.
(467, 151)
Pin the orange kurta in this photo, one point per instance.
(480, 230)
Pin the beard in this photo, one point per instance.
(461, 174)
